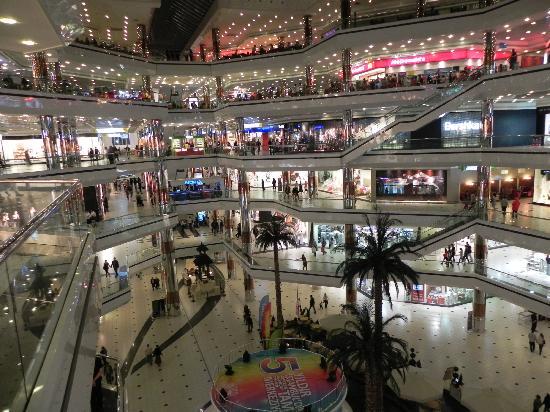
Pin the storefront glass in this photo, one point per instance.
(541, 193)
(411, 184)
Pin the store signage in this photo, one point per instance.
(433, 57)
(408, 60)
(464, 126)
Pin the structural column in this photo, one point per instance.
(349, 244)
(310, 79)
(216, 43)
(348, 188)
(347, 127)
(489, 52)
(244, 194)
(49, 140)
(312, 184)
(240, 130)
(146, 89)
(308, 31)
(67, 142)
(219, 89)
(420, 8)
(346, 69)
(166, 236)
(54, 73)
(202, 49)
(345, 13)
(39, 71)
(142, 40)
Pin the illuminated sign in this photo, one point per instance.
(461, 126)
(408, 60)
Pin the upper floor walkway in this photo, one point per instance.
(476, 20)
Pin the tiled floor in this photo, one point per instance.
(495, 361)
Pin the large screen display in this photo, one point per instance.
(411, 184)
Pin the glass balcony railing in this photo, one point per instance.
(38, 263)
(404, 142)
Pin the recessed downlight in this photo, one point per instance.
(28, 42)
(8, 20)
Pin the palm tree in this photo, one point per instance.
(378, 253)
(276, 233)
(355, 349)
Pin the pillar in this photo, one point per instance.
(245, 212)
(308, 30)
(169, 268)
(39, 71)
(219, 89)
(349, 243)
(240, 130)
(348, 188)
(216, 43)
(142, 40)
(346, 69)
(202, 49)
(347, 126)
(345, 13)
(227, 224)
(489, 52)
(146, 89)
(206, 94)
(312, 183)
(286, 178)
(230, 265)
(480, 261)
(49, 140)
(310, 79)
(420, 8)
(156, 139)
(248, 281)
(68, 142)
(373, 185)
(54, 72)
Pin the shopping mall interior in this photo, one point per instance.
(251, 205)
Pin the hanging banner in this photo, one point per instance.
(265, 330)
(263, 302)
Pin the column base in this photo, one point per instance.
(173, 299)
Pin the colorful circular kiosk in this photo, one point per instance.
(273, 381)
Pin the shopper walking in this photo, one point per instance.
(541, 342)
(274, 184)
(106, 268)
(532, 340)
(157, 353)
(115, 265)
(304, 262)
(249, 323)
(546, 403)
(537, 403)
(515, 208)
(325, 299)
(263, 185)
(312, 304)
(314, 250)
(503, 206)
(149, 354)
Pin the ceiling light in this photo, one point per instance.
(28, 42)
(8, 20)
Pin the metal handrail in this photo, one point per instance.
(15, 240)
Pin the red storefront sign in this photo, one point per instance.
(422, 58)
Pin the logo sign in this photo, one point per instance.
(465, 126)
(408, 60)
(280, 364)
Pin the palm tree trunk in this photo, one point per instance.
(278, 302)
(370, 393)
(378, 329)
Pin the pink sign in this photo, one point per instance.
(435, 57)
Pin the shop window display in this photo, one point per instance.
(411, 184)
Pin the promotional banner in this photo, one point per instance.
(263, 302)
(265, 330)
